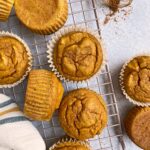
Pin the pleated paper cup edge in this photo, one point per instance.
(4, 6)
(64, 31)
(10, 34)
(121, 77)
(70, 140)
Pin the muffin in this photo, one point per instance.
(42, 16)
(135, 79)
(77, 55)
(15, 60)
(43, 95)
(82, 114)
(137, 125)
(70, 145)
(5, 9)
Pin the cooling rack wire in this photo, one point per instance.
(85, 13)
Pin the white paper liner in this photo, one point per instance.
(70, 140)
(55, 39)
(3, 33)
(121, 77)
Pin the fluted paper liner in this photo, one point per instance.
(52, 43)
(121, 78)
(74, 141)
(3, 33)
(5, 9)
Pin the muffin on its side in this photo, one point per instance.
(78, 55)
(14, 60)
(135, 77)
(137, 125)
(42, 16)
(71, 144)
(82, 114)
(43, 95)
(5, 9)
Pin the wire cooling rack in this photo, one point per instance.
(81, 12)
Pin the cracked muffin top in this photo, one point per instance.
(78, 56)
(71, 146)
(13, 60)
(82, 114)
(137, 78)
(137, 124)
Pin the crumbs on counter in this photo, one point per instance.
(116, 7)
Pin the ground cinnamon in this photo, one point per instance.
(113, 4)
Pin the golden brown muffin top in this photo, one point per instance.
(137, 78)
(71, 146)
(39, 14)
(78, 56)
(137, 124)
(82, 114)
(13, 60)
(43, 96)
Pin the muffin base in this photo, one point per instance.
(50, 28)
(129, 120)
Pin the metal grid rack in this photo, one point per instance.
(83, 12)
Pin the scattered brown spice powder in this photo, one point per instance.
(114, 5)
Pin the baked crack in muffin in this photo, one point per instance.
(43, 95)
(82, 114)
(78, 56)
(137, 125)
(14, 60)
(136, 78)
(42, 16)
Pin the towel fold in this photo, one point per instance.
(16, 132)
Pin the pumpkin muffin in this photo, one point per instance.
(82, 114)
(137, 125)
(70, 145)
(43, 95)
(42, 16)
(14, 60)
(5, 9)
(78, 56)
(135, 79)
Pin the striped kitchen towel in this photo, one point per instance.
(16, 132)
